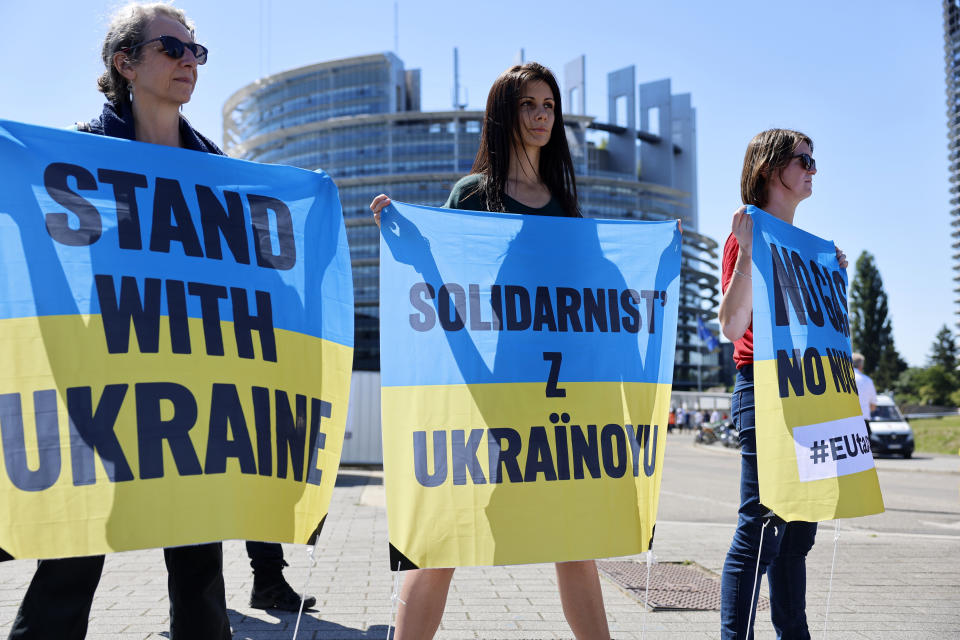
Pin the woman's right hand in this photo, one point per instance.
(377, 206)
(736, 307)
(742, 229)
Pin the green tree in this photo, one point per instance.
(871, 331)
(908, 384)
(944, 350)
(933, 385)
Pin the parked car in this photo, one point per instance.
(890, 431)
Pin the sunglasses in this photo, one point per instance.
(809, 164)
(174, 47)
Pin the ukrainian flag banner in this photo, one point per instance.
(526, 366)
(813, 453)
(176, 333)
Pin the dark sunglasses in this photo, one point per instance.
(174, 47)
(809, 164)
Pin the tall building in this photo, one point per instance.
(951, 50)
(359, 119)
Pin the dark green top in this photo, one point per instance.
(464, 195)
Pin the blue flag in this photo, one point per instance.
(706, 335)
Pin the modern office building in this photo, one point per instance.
(359, 119)
(951, 51)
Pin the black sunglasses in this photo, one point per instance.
(174, 47)
(809, 164)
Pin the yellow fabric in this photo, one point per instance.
(532, 521)
(68, 520)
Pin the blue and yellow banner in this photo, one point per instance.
(176, 333)
(526, 367)
(813, 453)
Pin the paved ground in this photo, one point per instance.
(897, 574)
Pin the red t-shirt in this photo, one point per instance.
(742, 348)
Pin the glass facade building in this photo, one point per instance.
(359, 119)
(951, 49)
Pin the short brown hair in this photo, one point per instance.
(767, 154)
(128, 27)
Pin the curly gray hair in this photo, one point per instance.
(128, 26)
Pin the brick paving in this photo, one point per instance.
(887, 584)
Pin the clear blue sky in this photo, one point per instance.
(864, 79)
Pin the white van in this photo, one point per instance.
(889, 430)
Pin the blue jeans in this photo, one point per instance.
(785, 544)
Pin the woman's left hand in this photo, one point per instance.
(841, 257)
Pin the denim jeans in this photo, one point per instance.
(785, 544)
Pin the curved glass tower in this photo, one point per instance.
(951, 49)
(359, 119)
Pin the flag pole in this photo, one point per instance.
(700, 363)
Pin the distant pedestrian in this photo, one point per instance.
(715, 416)
(866, 391)
(681, 419)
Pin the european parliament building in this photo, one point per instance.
(359, 119)
(951, 51)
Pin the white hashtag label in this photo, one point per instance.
(832, 449)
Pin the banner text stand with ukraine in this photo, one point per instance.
(176, 330)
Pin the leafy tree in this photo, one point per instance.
(870, 329)
(955, 398)
(939, 385)
(933, 385)
(907, 386)
(944, 350)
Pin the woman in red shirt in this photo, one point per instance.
(777, 175)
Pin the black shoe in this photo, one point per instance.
(278, 595)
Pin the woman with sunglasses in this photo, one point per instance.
(151, 64)
(777, 175)
(523, 166)
(151, 61)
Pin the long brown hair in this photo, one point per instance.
(767, 155)
(501, 132)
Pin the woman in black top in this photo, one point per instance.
(523, 166)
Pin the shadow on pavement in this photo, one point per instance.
(247, 628)
(356, 479)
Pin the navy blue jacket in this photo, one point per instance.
(120, 125)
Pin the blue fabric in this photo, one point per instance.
(41, 277)
(710, 341)
(785, 545)
(810, 277)
(538, 255)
